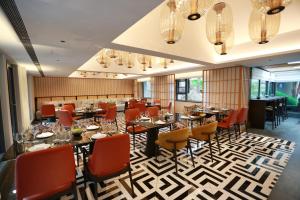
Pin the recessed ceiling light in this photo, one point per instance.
(63, 41)
(295, 62)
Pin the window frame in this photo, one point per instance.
(143, 88)
(187, 90)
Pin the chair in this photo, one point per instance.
(153, 111)
(46, 174)
(111, 116)
(242, 119)
(130, 116)
(102, 113)
(205, 133)
(168, 108)
(173, 141)
(141, 106)
(65, 118)
(132, 103)
(107, 161)
(156, 101)
(48, 111)
(271, 111)
(228, 123)
(72, 104)
(71, 109)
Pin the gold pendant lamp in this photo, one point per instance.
(224, 48)
(130, 60)
(263, 27)
(171, 22)
(194, 9)
(111, 53)
(219, 23)
(102, 58)
(270, 7)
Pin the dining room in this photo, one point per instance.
(169, 102)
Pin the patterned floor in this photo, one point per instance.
(248, 168)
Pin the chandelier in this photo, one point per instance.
(270, 7)
(194, 9)
(263, 27)
(102, 58)
(121, 58)
(224, 48)
(219, 23)
(171, 23)
(130, 59)
(111, 53)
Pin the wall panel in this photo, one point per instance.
(62, 86)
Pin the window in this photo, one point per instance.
(254, 88)
(147, 89)
(189, 89)
(263, 89)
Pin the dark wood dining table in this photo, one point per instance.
(152, 134)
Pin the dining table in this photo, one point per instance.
(153, 127)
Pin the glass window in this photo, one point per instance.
(263, 88)
(147, 89)
(291, 90)
(189, 89)
(254, 88)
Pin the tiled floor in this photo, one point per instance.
(246, 169)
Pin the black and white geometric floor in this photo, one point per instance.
(248, 168)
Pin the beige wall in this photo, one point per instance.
(22, 101)
(63, 86)
(5, 103)
(31, 96)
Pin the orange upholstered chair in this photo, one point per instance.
(72, 104)
(156, 101)
(168, 108)
(107, 161)
(131, 115)
(228, 123)
(65, 118)
(141, 106)
(153, 111)
(111, 115)
(48, 111)
(69, 108)
(46, 174)
(242, 118)
(131, 103)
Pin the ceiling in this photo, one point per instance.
(88, 26)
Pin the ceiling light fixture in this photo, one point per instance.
(111, 53)
(102, 58)
(224, 48)
(263, 27)
(219, 22)
(270, 7)
(194, 9)
(295, 62)
(171, 22)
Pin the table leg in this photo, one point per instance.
(151, 149)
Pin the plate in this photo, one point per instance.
(169, 114)
(92, 127)
(145, 118)
(160, 122)
(44, 135)
(194, 117)
(98, 136)
(98, 109)
(184, 117)
(215, 111)
(39, 147)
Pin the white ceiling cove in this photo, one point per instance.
(133, 25)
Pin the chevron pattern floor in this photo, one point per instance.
(248, 168)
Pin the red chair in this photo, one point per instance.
(242, 118)
(130, 116)
(228, 123)
(69, 108)
(153, 111)
(46, 174)
(102, 113)
(72, 104)
(48, 111)
(168, 108)
(142, 107)
(107, 161)
(65, 118)
(111, 116)
(131, 103)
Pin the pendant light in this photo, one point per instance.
(101, 58)
(171, 22)
(164, 62)
(224, 48)
(270, 7)
(111, 53)
(121, 58)
(194, 9)
(263, 27)
(219, 23)
(150, 62)
(130, 60)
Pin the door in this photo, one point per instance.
(12, 100)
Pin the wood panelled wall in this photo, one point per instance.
(63, 86)
(226, 87)
(163, 88)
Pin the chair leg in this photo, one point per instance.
(131, 182)
(197, 143)
(229, 135)
(210, 149)
(117, 124)
(189, 146)
(235, 131)
(175, 158)
(218, 143)
(96, 192)
(74, 190)
(133, 141)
